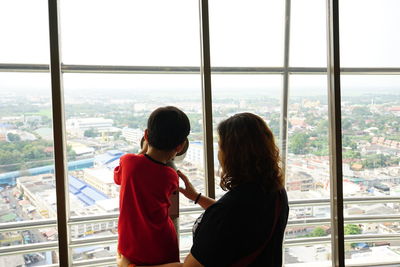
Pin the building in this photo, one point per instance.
(102, 179)
(78, 126)
(132, 135)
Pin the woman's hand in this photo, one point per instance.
(189, 190)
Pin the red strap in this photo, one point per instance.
(252, 257)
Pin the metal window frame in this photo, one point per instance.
(59, 138)
(335, 134)
(285, 88)
(205, 70)
(333, 71)
(120, 69)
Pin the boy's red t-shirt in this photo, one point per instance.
(146, 234)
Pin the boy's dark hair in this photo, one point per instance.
(167, 127)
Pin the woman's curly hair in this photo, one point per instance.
(249, 153)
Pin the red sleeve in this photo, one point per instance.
(118, 173)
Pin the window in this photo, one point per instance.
(122, 59)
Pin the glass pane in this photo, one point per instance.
(96, 228)
(307, 171)
(95, 252)
(368, 33)
(106, 115)
(24, 31)
(27, 183)
(371, 146)
(308, 255)
(250, 33)
(308, 33)
(121, 32)
(185, 241)
(45, 258)
(383, 253)
(259, 94)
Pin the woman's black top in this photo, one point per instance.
(238, 224)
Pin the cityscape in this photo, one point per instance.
(104, 125)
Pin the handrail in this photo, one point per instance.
(72, 68)
(27, 225)
(45, 223)
(29, 248)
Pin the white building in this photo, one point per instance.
(132, 135)
(78, 126)
(195, 154)
(40, 191)
(103, 180)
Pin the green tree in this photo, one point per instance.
(375, 161)
(13, 137)
(361, 111)
(318, 231)
(352, 229)
(297, 143)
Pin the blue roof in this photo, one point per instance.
(76, 183)
(73, 190)
(93, 193)
(9, 177)
(6, 125)
(86, 193)
(115, 152)
(361, 245)
(85, 199)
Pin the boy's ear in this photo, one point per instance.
(180, 147)
(146, 135)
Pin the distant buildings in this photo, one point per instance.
(132, 135)
(40, 197)
(78, 126)
(103, 180)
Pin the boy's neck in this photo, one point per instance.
(160, 155)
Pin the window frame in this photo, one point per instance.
(65, 244)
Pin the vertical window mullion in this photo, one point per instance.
(205, 70)
(59, 134)
(335, 133)
(285, 91)
(285, 88)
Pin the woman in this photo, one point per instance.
(246, 226)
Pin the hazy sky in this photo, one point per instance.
(242, 33)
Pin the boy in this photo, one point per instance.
(146, 235)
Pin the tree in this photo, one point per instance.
(298, 143)
(13, 137)
(318, 231)
(375, 161)
(352, 229)
(361, 111)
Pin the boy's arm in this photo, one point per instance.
(118, 173)
(144, 148)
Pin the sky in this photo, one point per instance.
(166, 33)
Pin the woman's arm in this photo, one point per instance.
(190, 192)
